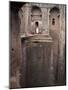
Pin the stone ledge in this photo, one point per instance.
(37, 37)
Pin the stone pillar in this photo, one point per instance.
(21, 16)
(61, 65)
(26, 14)
(48, 19)
(45, 20)
(51, 67)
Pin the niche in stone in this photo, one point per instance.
(54, 18)
(53, 21)
(36, 19)
(37, 24)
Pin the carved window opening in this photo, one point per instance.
(53, 21)
(36, 19)
(54, 13)
(37, 24)
(55, 10)
(36, 13)
(37, 29)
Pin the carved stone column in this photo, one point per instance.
(61, 65)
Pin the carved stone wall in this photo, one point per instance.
(15, 55)
(25, 57)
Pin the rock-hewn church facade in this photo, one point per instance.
(37, 44)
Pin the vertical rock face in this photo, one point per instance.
(37, 59)
(14, 48)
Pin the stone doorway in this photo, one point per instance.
(35, 69)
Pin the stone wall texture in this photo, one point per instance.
(37, 59)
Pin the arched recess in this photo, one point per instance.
(54, 26)
(54, 20)
(36, 17)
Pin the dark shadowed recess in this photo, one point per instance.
(15, 6)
